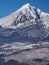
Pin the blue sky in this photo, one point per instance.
(9, 6)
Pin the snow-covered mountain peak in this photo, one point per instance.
(25, 9)
(26, 6)
(23, 15)
(28, 21)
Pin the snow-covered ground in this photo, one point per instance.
(26, 52)
(18, 46)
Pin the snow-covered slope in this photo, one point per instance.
(26, 22)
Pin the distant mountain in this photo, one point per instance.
(26, 24)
